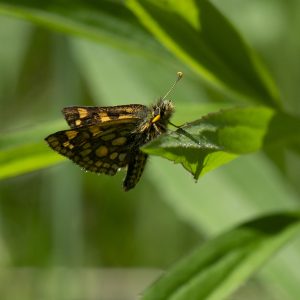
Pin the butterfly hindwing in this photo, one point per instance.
(101, 148)
(135, 169)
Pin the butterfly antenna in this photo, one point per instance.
(179, 76)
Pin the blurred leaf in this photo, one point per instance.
(221, 265)
(202, 37)
(26, 151)
(108, 22)
(209, 44)
(217, 138)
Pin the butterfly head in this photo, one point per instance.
(162, 111)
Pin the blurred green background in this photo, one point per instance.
(66, 234)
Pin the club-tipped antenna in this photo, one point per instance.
(179, 76)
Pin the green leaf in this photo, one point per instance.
(195, 31)
(26, 151)
(221, 265)
(207, 42)
(108, 22)
(217, 138)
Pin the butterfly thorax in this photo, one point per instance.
(156, 123)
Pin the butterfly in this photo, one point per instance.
(107, 139)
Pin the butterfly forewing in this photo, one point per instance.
(79, 116)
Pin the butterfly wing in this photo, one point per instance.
(135, 169)
(102, 148)
(79, 116)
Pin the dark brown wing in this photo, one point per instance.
(79, 116)
(103, 148)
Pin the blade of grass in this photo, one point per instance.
(107, 22)
(26, 151)
(221, 265)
